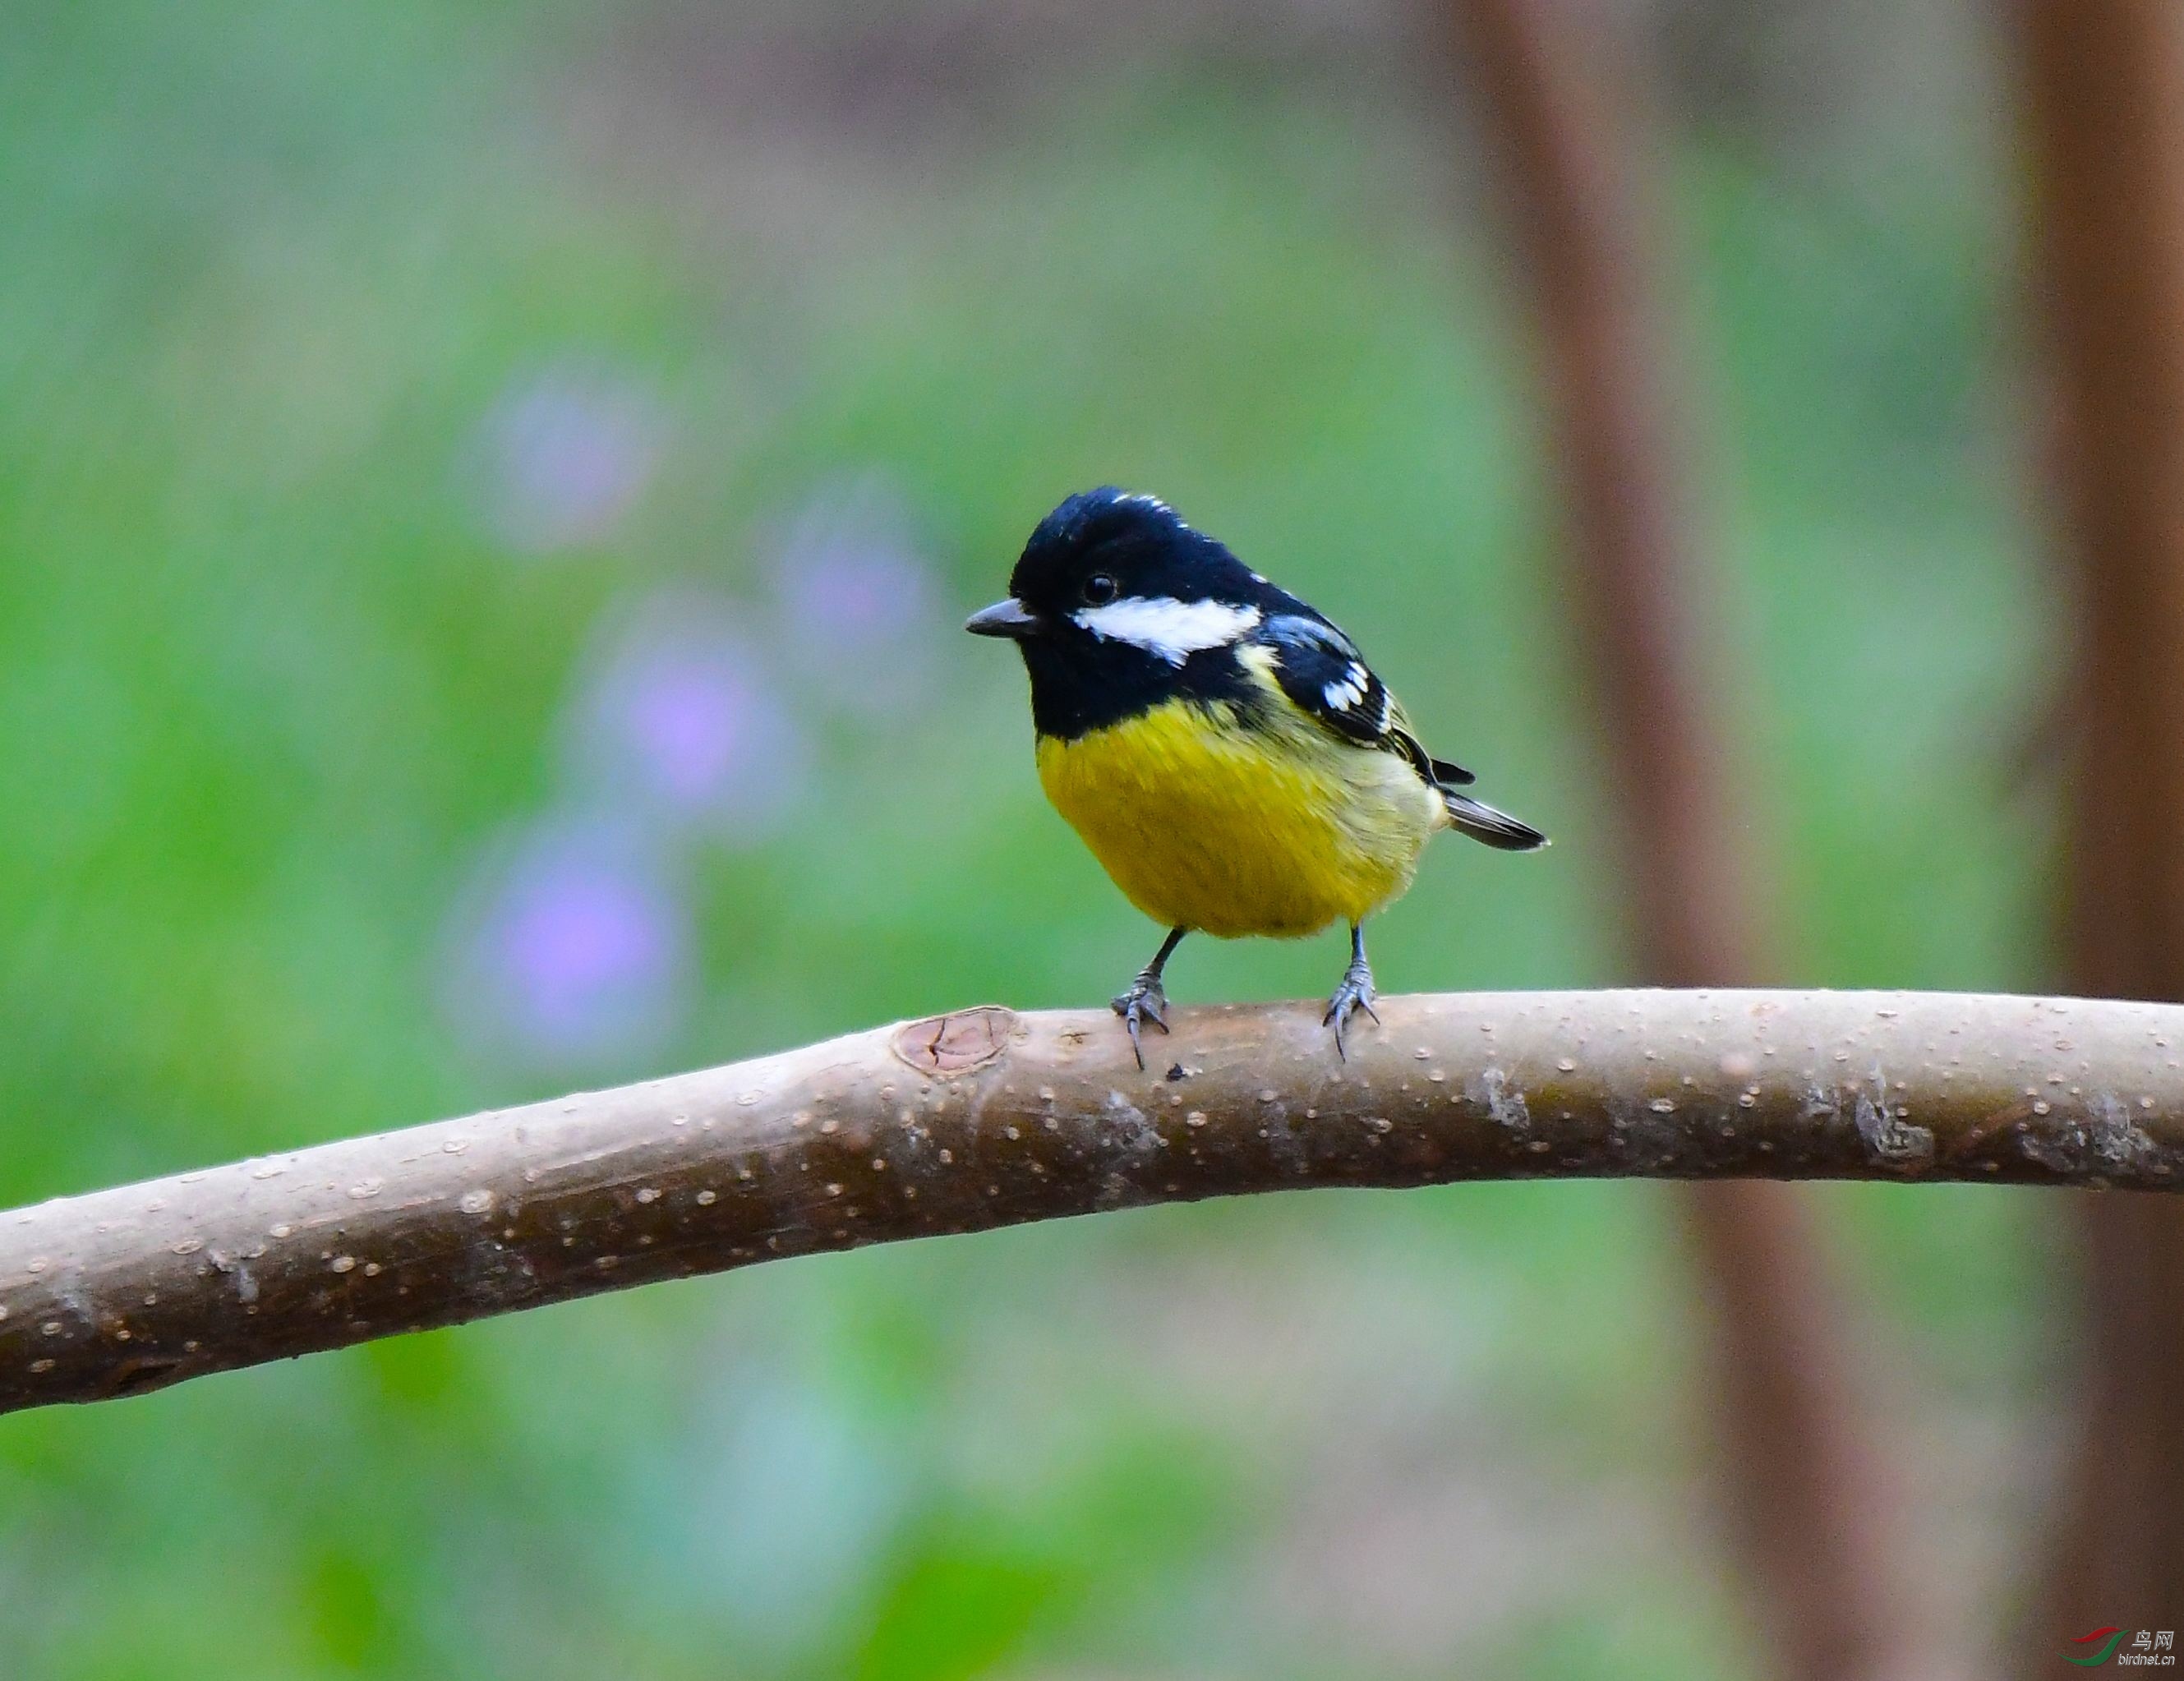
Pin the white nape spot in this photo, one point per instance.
(1139, 498)
(1174, 630)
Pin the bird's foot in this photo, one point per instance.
(1355, 994)
(1144, 1002)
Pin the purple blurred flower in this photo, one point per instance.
(858, 601)
(572, 946)
(680, 711)
(562, 454)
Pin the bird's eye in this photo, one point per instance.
(1099, 589)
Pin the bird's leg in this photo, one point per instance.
(1143, 1000)
(1355, 992)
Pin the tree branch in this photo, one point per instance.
(1806, 1471)
(988, 1118)
(2102, 110)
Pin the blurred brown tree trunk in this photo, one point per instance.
(1804, 1478)
(2104, 90)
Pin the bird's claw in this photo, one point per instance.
(1144, 1002)
(1355, 994)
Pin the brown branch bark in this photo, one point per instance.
(1804, 1472)
(2103, 89)
(988, 1118)
(1805, 1477)
(1578, 211)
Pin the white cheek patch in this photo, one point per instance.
(1174, 630)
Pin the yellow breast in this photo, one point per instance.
(1207, 825)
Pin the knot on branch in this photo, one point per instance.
(956, 1043)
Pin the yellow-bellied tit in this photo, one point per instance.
(1223, 748)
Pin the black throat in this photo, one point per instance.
(1080, 684)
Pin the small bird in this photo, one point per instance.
(1224, 749)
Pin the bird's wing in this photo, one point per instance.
(1320, 670)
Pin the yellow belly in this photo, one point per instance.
(1210, 828)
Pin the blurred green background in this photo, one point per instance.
(487, 498)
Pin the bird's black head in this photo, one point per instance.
(1117, 606)
(1107, 545)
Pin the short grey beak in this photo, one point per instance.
(1009, 618)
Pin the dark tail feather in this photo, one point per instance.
(1482, 822)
